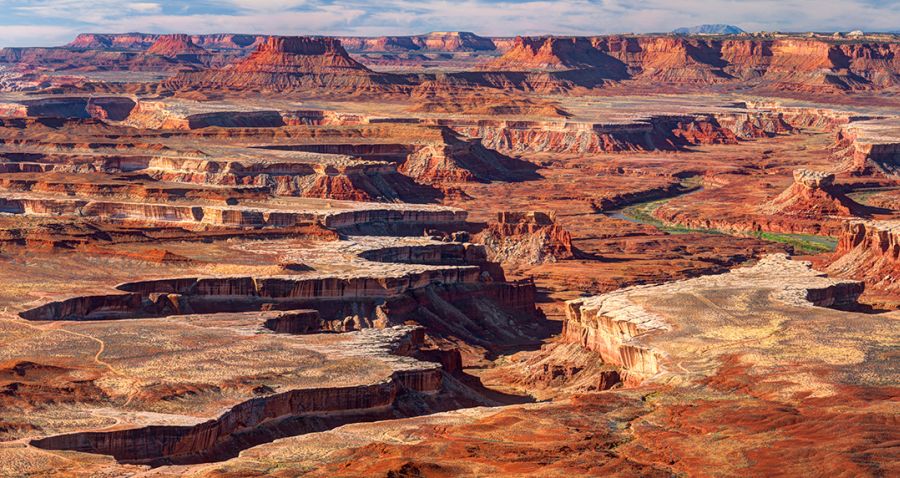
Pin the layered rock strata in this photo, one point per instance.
(200, 216)
(813, 194)
(283, 64)
(793, 64)
(526, 238)
(867, 148)
(655, 133)
(634, 329)
(869, 251)
(266, 418)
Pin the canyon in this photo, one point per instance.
(448, 254)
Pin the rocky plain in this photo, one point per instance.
(450, 255)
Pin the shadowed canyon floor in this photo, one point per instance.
(450, 255)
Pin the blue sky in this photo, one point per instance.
(55, 22)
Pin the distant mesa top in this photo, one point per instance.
(175, 45)
(282, 64)
(434, 41)
(306, 54)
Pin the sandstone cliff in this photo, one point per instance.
(792, 64)
(813, 194)
(434, 41)
(869, 148)
(526, 238)
(869, 251)
(284, 64)
(175, 46)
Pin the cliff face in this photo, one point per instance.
(783, 64)
(434, 41)
(370, 182)
(813, 194)
(601, 327)
(175, 46)
(553, 53)
(299, 55)
(458, 159)
(288, 64)
(666, 59)
(869, 148)
(626, 331)
(667, 133)
(410, 390)
(161, 115)
(124, 41)
(869, 251)
(115, 108)
(527, 238)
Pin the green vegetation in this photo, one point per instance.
(805, 243)
(801, 242)
(643, 213)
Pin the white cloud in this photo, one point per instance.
(144, 7)
(29, 35)
(269, 6)
(288, 23)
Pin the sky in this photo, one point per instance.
(56, 22)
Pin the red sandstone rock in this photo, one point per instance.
(290, 64)
(869, 251)
(94, 41)
(434, 41)
(551, 53)
(299, 55)
(811, 66)
(175, 46)
(458, 159)
(813, 194)
(527, 238)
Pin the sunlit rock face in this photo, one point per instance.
(813, 194)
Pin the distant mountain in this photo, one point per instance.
(709, 29)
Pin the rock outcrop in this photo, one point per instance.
(124, 41)
(269, 417)
(790, 64)
(526, 238)
(813, 194)
(143, 41)
(869, 251)
(553, 53)
(625, 330)
(284, 64)
(459, 159)
(113, 108)
(176, 46)
(869, 148)
(658, 132)
(434, 41)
